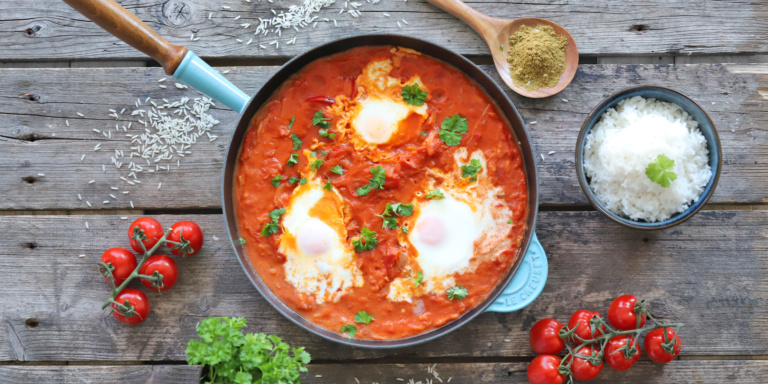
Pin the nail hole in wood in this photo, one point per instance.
(29, 179)
(32, 323)
(30, 96)
(645, 240)
(31, 31)
(31, 245)
(640, 28)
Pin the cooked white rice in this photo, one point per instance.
(628, 138)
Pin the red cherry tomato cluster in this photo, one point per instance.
(157, 272)
(589, 341)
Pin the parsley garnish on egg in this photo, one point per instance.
(376, 182)
(293, 160)
(350, 330)
(363, 317)
(327, 186)
(337, 169)
(303, 181)
(276, 180)
(319, 120)
(293, 180)
(435, 195)
(419, 278)
(315, 165)
(389, 217)
(471, 170)
(457, 293)
(452, 129)
(272, 227)
(366, 242)
(413, 95)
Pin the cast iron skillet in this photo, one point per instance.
(512, 293)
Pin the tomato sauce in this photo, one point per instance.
(268, 145)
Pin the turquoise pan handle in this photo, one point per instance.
(196, 73)
(527, 283)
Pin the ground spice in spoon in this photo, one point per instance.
(536, 57)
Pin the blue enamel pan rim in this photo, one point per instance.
(457, 61)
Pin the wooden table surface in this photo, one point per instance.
(710, 272)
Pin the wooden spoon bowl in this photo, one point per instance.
(496, 33)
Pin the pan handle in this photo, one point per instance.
(176, 60)
(527, 283)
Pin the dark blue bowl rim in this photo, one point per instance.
(681, 217)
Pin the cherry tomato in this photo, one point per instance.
(621, 313)
(139, 303)
(544, 369)
(165, 266)
(655, 346)
(545, 337)
(152, 230)
(193, 238)
(581, 368)
(122, 260)
(616, 357)
(582, 319)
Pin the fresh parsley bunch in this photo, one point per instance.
(234, 357)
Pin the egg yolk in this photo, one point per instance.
(432, 230)
(314, 237)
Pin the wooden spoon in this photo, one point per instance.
(496, 33)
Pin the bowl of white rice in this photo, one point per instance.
(648, 157)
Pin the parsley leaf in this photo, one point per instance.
(389, 222)
(276, 180)
(660, 171)
(337, 170)
(293, 119)
(364, 190)
(276, 213)
(413, 95)
(452, 128)
(272, 227)
(327, 186)
(315, 165)
(419, 278)
(366, 242)
(232, 357)
(293, 180)
(242, 241)
(405, 229)
(404, 210)
(379, 177)
(423, 133)
(319, 120)
(296, 141)
(436, 195)
(391, 211)
(471, 170)
(293, 160)
(457, 293)
(313, 154)
(324, 133)
(303, 181)
(509, 221)
(350, 330)
(363, 317)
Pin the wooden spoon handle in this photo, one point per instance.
(127, 27)
(487, 27)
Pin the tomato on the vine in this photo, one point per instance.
(165, 266)
(621, 313)
(545, 369)
(136, 310)
(581, 368)
(123, 261)
(153, 230)
(192, 235)
(616, 351)
(659, 350)
(545, 337)
(582, 319)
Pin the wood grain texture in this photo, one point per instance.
(106, 374)
(52, 30)
(706, 273)
(694, 372)
(36, 104)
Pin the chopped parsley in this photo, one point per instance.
(293, 160)
(363, 317)
(436, 195)
(366, 242)
(313, 153)
(323, 153)
(319, 120)
(660, 171)
(315, 165)
(405, 229)
(471, 170)
(364, 190)
(350, 330)
(293, 119)
(324, 133)
(303, 181)
(452, 128)
(337, 170)
(419, 278)
(390, 222)
(389, 217)
(242, 241)
(413, 95)
(379, 177)
(272, 227)
(296, 141)
(423, 133)
(457, 293)
(276, 180)
(327, 186)
(509, 221)
(293, 180)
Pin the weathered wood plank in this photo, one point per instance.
(699, 372)
(37, 103)
(106, 374)
(706, 273)
(47, 30)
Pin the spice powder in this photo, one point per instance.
(536, 57)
